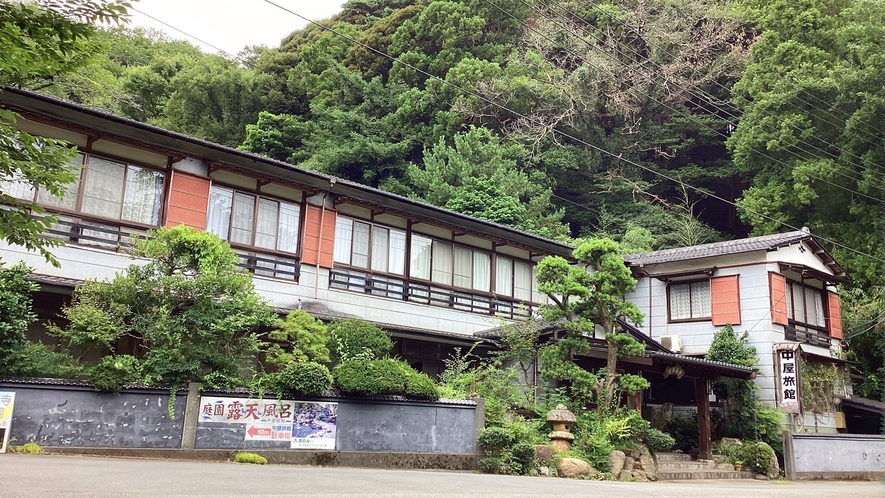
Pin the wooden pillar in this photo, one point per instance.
(703, 402)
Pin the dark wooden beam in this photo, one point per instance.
(700, 394)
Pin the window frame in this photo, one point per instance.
(255, 211)
(370, 257)
(708, 318)
(77, 212)
(791, 306)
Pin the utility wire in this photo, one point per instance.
(758, 151)
(562, 133)
(712, 98)
(224, 52)
(682, 113)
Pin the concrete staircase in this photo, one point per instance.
(680, 466)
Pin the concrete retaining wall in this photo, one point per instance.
(57, 415)
(834, 456)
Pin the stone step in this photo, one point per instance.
(682, 475)
(687, 465)
(673, 457)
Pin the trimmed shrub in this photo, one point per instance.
(387, 376)
(493, 440)
(757, 456)
(658, 441)
(303, 378)
(245, 457)
(112, 373)
(684, 429)
(353, 339)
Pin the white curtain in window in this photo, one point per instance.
(72, 190)
(814, 301)
(463, 267)
(482, 271)
(503, 277)
(380, 245)
(680, 302)
(144, 188)
(798, 303)
(218, 218)
(287, 236)
(522, 281)
(360, 244)
(442, 263)
(419, 260)
(537, 296)
(103, 191)
(268, 224)
(790, 314)
(397, 256)
(243, 220)
(343, 239)
(701, 301)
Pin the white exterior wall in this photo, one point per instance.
(82, 263)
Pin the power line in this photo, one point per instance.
(564, 134)
(222, 51)
(711, 98)
(689, 116)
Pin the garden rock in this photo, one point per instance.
(573, 467)
(625, 475)
(649, 465)
(719, 459)
(616, 461)
(543, 452)
(628, 464)
(544, 470)
(639, 476)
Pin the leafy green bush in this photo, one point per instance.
(353, 339)
(29, 449)
(494, 440)
(40, 360)
(299, 337)
(757, 456)
(591, 440)
(387, 376)
(245, 457)
(112, 373)
(658, 441)
(302, 378)
(490, 465)
(684, 429)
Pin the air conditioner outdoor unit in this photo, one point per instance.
(672, 342)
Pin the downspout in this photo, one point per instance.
(316, 280)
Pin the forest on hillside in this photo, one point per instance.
(654, 122)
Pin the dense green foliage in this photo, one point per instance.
(298, 338)
(657, 440)
(246, 457)
(745, 416)
(386, 376)
(195, 315)
(352, 339)
(302, 378)
(16, 314)
(586, 297)
(112, 373)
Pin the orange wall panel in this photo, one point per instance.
(726, 300)
(835, 315)
(777, 285)
(188, 200)
(314, 252)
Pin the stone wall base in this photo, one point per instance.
(841, 476)
(365, 459)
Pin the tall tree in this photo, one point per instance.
(40, 41)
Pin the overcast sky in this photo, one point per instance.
(230, 24)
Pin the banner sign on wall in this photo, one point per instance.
(304, 424)
(787, 365)
(7, 402)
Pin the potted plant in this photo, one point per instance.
(738, 465)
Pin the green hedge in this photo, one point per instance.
(387, 376)
(303, 378)
(353, 339)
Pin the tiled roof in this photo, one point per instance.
(727, 369)
(763, 243)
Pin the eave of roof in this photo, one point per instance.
(740, 246)
(113, 125)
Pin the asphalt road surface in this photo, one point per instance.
(86, 477)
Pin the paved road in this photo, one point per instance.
(88, 477)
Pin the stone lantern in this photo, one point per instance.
(562, 419)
